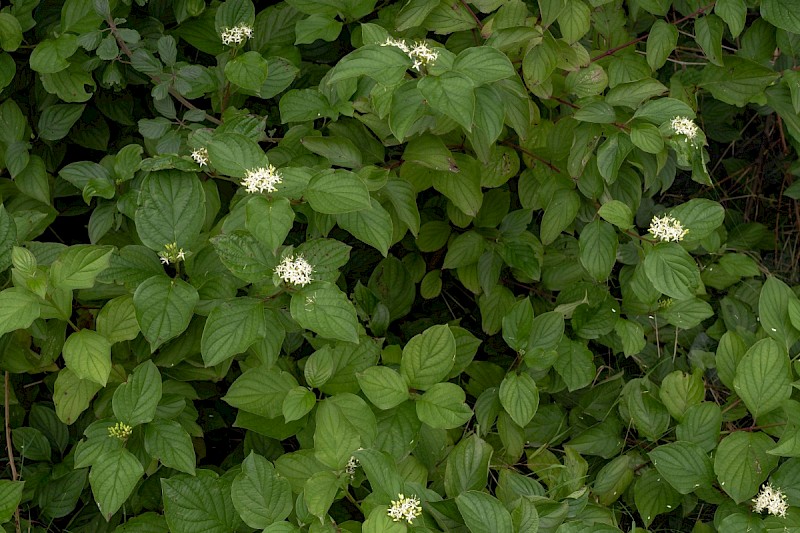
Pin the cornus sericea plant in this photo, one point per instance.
(771, 500)
(405, 509)
(261, 179)
(295, 270)
(684, 126)
(269, 266)
(236, 35)
(419, 51)
(171, 254)
(120, 431)
(667, 229)
(200, 156)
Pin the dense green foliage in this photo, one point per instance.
(347, 265)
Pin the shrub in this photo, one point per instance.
(342, 265)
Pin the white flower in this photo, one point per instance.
(236, 35)
(261, 179)
(419, 52)
(296, 271)
(684, 126)
(772, 500)
(200, 156)
(405, 509)
(352, 464)
(172, 254)
(667, 229)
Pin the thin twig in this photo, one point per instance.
(474, 16)
(10, 449)
(641, 38)
(172, 91)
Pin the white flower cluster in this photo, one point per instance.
(236, 35)
(172, 254)
(261, 179)
(352, 464)
(295, 270)
(667, 229)
(684, 126)
(771, 500)
(405, 509)
(200, 156)
(420, 53)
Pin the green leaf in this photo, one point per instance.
(201, 503)
(672, 271)
(708, 34)
(647, 137)
(467, 466)
(763, 379)
(345, 423)
(742, 463)
(654, 496)
(739, 81)
(231, 327)
(297, 403)
(259, 495)
(483, 513)
(171, 210)
(171, 444)
(428, 357)
(248, 71)
(661, 42)
(519, 396)
(56, 120)
(337, 191)
(443, 407)
(319, 493)
(483, 64)
(8, 238)
(575, 364)
(596, 112)
(372, 226)
(164, 307)
(617, 213)
(10, 496)
(684, 465)
(72, 395)
(231, 13)
(382, 386)
(260, 391)
(88, 354)
(773, 312)
(234, 154)
(700, 216)
(574, 20)
(50, 56)
(112, 478)
(340, 151)
(680, 391)
(10, 32)
(325, 310)
(782, 14)
(559, 214)
(18, 309)
(303, 105)
(385, 64)
(316, 27)
(598, 245)
(136, 400)
(269, 220)
(244, 256)
(452, 94)
(31, 444)
(116, 321)
(77, 267)
(734, 13)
